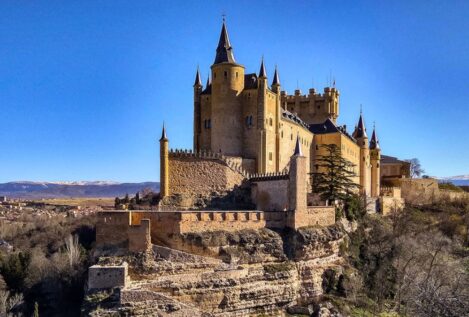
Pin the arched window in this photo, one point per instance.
(250, 121)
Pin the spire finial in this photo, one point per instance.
(223, 17)
(276, 80)
(198, 81)
(298, 151)
(224, 49)
(163, 133)
(262, 72)
(361, 109)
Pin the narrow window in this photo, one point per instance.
(270, 156)
(205, 124)
(214, 75)
(225, 74)
(270, 121)
(247, 121)
(250, 120)
(236, 74)
(209, 123)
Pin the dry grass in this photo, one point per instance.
(85, 202)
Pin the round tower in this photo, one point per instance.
(164, 164)
(375, 158)
(197, 110)
(365, 168)
(227, 84)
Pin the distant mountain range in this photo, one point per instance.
(460, 180)
(36, 190)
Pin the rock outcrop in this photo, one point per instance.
(247, 273)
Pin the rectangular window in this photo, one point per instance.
(270, 156)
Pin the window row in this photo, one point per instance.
(207, 123)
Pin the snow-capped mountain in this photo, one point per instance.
(28, 189)
(461, 180)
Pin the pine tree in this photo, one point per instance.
(333, 175)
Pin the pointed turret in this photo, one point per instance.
(209, 81)
(224, 49)
(262, 72)
(374, 142)
(163, 134)
(276, 80)
(198, 81)
(298, 151)
(360, 130)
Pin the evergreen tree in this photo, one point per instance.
(333, 174)
(137, 198)
(126, 199)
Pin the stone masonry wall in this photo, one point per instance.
(271, 195)
(100, 276)
(111, 228)
(139, 236)
(192, 176)
(315, 216)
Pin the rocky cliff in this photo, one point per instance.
(246, 273)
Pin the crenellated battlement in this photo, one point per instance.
(328, 91)
(269, 176)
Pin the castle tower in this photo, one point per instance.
(261, 120)
(365, 168)
(297, 191)
(197, 110)
(227, 84)
(275, 87)
(375, 157)
(164, 164)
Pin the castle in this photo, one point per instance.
(240, 116)
(254, 148)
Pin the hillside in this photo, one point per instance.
(35, 190)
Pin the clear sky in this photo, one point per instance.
(86, 85)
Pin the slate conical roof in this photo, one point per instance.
(163, 134)
(262, 72)
(374, 142)
(198, 81)
(224, 49)
(360, 130)
(298, 151)
(276, 80)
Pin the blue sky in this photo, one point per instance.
(86, 85)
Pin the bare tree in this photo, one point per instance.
(416, 169)
(8, 302)
(72, 248)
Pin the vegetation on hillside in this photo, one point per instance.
(412, 263)
(46, 272)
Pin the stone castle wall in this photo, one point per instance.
(100, 276)
(270, 193)
(139, 236)
(314, 216)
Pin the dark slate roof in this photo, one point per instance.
(208, 87)
(224, 49)
(276, 80)
(360, 130)
(298, 151)
(391, 159)
(374, 142)
(198, 81)
(262, 72)
(250, 81)
(163, 134)
(293, 117)
(329, 126)
(323, 128)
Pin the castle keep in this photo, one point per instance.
(254, 147)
